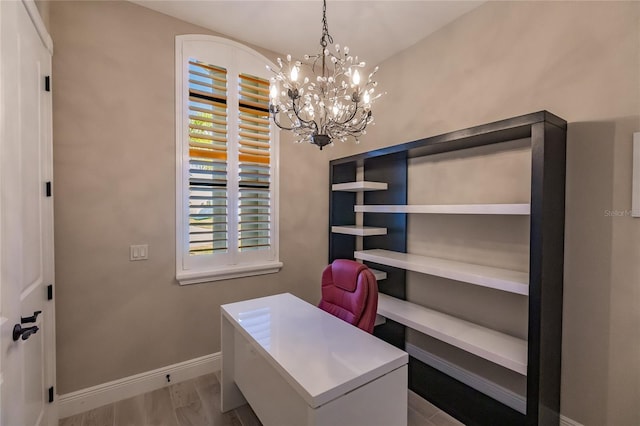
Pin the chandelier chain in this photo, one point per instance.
(326, 37)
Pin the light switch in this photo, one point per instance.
(139, 252)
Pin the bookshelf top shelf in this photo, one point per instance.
(479, 209)
(359, 186)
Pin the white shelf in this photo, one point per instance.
(380, 275)
(486, 276)
(379, 320)
(363, 231)
(502, 349)
(359, 186)
(497, 209)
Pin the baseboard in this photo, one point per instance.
(127, 387)
(507, 397)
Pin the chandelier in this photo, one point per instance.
(335, 104)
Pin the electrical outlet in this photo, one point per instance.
(139, 252)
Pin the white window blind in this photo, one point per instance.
(208, 205)
(254, 171)
(226, 162)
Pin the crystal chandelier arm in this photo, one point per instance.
(363, 125)
(294, 106)
(351, 130)
(309, 123)
(275, 119)
(355, 110)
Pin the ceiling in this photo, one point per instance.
(373, 30)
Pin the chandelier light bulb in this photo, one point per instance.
(294, 73)
(356, 77)
(273, 93)
(366, 98)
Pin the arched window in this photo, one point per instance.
(226, 162)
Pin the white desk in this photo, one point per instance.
(298, 365)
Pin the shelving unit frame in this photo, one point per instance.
(547, 134)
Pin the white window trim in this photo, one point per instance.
(186, 274)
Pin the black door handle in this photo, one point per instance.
(25, 333)
(26, 320)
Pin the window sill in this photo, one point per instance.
(227, 273)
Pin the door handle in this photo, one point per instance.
(33, 318)
(25, 333)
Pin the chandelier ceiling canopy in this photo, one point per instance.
(324, 98)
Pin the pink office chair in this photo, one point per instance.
(350, 292)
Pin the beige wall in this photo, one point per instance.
(579, 60)
(114, 149)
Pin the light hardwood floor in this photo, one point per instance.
(197, 403)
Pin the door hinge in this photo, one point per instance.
(51, 394)
(50, 292)
(47, 83)
(48, 188)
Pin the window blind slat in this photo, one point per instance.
(218, 70)
(252, 107)
(216, 87)
(207, 250)
(254, 151)
(220, 113)
(209, 146)
(255, 136)
(253, 119)
(219, 98)
(208, 120)
(255, 166)
(208, 102)
(246, 126)
(215, 77)
(257, 88)
(255, 175)
(202, 153)
(213, 165)
(213, 129)
(255, 144)
(254, 97)
(254, 158)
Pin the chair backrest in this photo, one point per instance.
(350, 292)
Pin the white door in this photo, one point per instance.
(26, 219)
